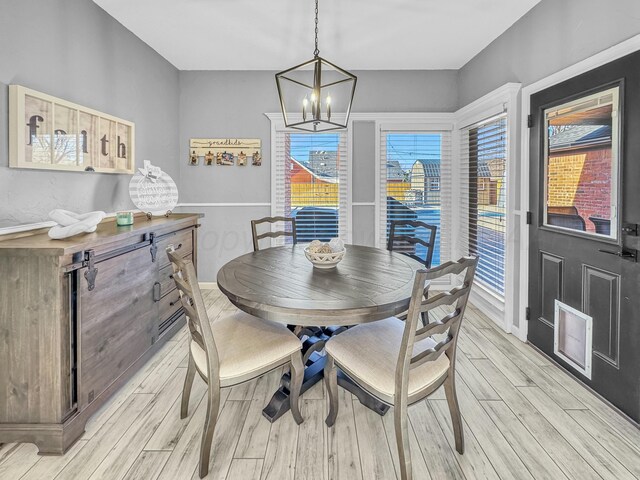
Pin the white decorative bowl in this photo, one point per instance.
(325, 260)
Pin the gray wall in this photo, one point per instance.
(74, 50)
(219, 104)
(553, 35)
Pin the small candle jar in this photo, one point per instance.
(124, 218)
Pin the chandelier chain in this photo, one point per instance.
(316, 52)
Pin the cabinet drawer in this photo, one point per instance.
(169, 305)
(167, 284)
(182, 242)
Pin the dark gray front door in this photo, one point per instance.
(585, 201)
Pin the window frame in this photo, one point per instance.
(616, 141)
(442, 123)
(481, 186)
(503, 309)
(344, 208)
(404, 123)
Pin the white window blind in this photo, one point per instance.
(483, 197)
(311, 183)
(415, 184)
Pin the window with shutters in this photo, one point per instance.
(311, 182)
(483, 182)
(415, 168)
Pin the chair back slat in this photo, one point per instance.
(431, 354)
(397, 238)
(449, 325)
(279, 233)
(181, 285)
(438, 327)
(445, 298)
(447, 268)
(185, 278)
(412, 240)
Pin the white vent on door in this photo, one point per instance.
(573, 337)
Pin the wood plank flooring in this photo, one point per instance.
(524, 418)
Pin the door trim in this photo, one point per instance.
(601, 58)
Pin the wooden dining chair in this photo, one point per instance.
(400, 241)
(291, 232)
(400, 364)
(236, 348)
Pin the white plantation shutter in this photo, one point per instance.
(483, 196)
(311, 183)
(415, 184)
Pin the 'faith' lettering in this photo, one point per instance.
(105, 147)
(85, 146)
(33, 127)
(122, 149)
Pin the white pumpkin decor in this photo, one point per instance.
(153, 191)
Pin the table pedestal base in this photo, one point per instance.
(313, 373)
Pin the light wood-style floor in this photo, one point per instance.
(524, 418)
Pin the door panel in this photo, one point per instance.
(117, 320)
(551, 288)
(577, 229)
(601, 298)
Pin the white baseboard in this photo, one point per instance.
(208, 285)
(520, 334)
(489, 306)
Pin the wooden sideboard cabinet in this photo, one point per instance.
(78, 317)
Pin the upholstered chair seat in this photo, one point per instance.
(369, 352)
(247, 347)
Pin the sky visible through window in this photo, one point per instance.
(303, 143)
(413, 186)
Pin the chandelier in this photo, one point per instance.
(316, 96)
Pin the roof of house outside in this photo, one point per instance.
(323, 163)
(322, 178)
(580, 136)
(483, 170)
(432, 168)
(395, 171)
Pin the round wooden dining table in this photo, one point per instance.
(281, 285)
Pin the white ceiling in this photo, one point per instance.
(355, 34)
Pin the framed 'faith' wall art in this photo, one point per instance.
(49, 133)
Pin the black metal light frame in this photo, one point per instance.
(317, 88)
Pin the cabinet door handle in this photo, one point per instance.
(156, 291)
(91, 272)
(154, 246)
